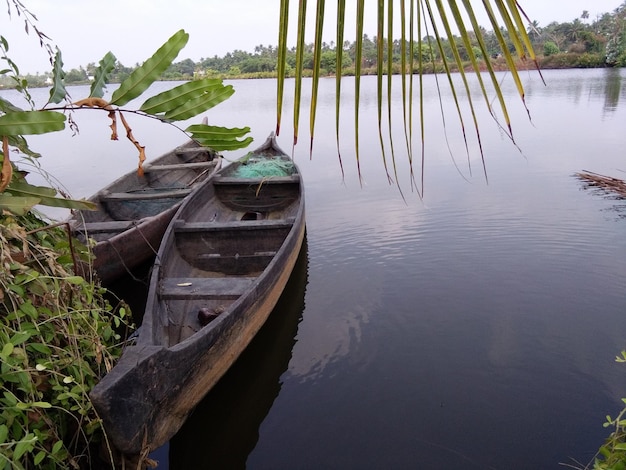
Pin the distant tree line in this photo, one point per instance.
(583, 42)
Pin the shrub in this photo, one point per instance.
(57, 340)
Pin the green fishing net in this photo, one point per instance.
(266, 167)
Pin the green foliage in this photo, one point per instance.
(550, 48)
(150, 71)
(219, 138)
(31, 122)
(188, 100)
(180, 103)
(101, 76)
(58, 337)
(612, 455)
(57, 91)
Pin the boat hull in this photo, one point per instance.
(131, 216)
(162, 393)
(231, 249)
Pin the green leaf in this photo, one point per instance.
(199, 105)
(29, 309)
(31, 122)
(17, 205)
(150, 70)
(6, 350)
(57, 92)
(58, 445)
(41, 404)
(76, 280)
(20, 337)
(39, 457)
(40, 348)
(4, 433)
(25, 445)
(178, 96)
(101, 77)
(219, 138)
(47, 197)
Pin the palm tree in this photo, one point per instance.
(421, 22)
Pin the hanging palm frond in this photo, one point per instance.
(452, 23)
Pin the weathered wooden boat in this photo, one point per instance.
(223, 263)
(134, 211)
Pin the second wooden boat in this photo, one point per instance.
(133, 212)
(224, 262)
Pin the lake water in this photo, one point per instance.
(476, 328)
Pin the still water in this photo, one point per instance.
(476, 328)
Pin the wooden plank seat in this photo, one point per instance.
(181, 151)
(178, 166)
(104, 227)
(232, 180)
(208, 288)
(141, 196)
(181, 226)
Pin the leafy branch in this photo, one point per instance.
(177, 104)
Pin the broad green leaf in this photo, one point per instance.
(17, 205)
(6, 350)
(25, 445)
(41, 404)
(150, 70)
(31, 122)
(199, 105)
(4, 433)
(219, 138)
(47, 197)
(19, 337)
(101, 77)
(171, 99)
(7, 106)
(57, 92)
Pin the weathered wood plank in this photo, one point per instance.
(210, 288)
(178, 166)
(232, 225)
(147, 195)
(231, 180)
(102, 227)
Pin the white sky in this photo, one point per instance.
(85, 30)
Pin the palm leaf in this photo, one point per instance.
(299, 61)
(282, 61)
(142, 77)
(317, 54)
(341, 22)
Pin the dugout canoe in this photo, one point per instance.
(223, 263)
(134, 211)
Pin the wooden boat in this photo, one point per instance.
(134, 211)
(223, 263)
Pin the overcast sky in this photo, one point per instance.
(85, 30)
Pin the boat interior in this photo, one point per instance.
(222, 246)
(137, 196)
